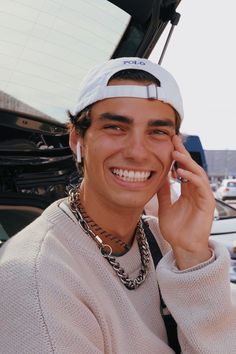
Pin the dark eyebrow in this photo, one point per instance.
(161, 123)
(123, 119)
(115, 118)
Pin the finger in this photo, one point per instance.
(189, 170)
(195, 180)
(187, 163)
(184, 158)
(179, 146)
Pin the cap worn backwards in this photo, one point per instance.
(94, 86)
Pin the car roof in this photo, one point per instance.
(227, 180)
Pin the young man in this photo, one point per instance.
(81, 279)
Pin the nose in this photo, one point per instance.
(136, 147)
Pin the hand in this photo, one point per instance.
(187, 223)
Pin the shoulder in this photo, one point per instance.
(19, 255)
(44, 248)
(20, 303)
(40, 269)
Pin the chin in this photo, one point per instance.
(131, 201)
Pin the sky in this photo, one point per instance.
(202, 58)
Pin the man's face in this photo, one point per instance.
(127, 149)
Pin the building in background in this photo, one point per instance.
(221, 164)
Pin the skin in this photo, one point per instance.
(136, 134)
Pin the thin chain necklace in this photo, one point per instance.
(106, 249)
(96, 228)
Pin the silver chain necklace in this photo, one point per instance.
(106, 249)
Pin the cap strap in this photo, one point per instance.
(150, 92)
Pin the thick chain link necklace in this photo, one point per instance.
(106, 249)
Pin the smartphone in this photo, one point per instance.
(173, 170)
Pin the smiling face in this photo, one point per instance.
(127, 150)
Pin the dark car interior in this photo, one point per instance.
(36, 166)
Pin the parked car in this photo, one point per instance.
(227, 189)
(224, 231)
(233, 293)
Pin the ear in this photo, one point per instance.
(74, 138)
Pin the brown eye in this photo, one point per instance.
(112, 127)
(160, 134)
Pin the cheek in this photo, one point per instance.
(96, 151)
(102, 145)
(163, 150)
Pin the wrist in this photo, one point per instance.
(189, 259)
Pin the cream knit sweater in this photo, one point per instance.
(59, 295)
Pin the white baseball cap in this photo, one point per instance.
(94, 86)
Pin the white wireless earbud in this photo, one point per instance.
(78, 152)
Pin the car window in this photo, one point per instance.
(47, 47)
(231, 184)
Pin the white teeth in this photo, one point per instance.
(131, 176)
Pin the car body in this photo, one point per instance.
(233, 293)
(227, 189)
(224, 231)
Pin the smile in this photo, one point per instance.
(131, 176)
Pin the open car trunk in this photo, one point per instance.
(36, 163)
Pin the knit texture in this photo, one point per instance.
(59, 295)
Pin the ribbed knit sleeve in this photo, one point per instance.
(200, 301)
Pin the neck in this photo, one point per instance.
(119, 221)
